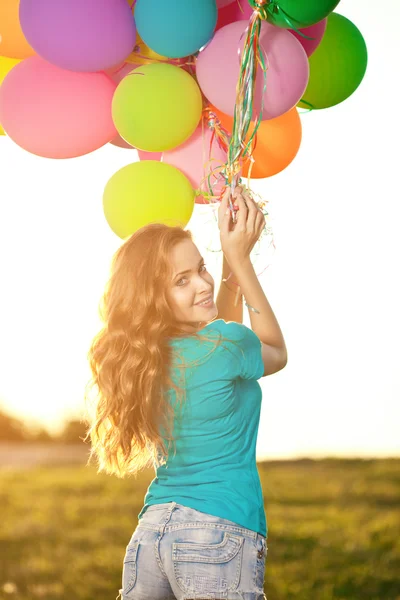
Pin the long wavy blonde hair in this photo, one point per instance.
(130, 358)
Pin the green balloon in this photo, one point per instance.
(337, 66)
(295, 14)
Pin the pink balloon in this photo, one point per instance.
(238, 11)
(56, 113)
(195, 161)
(143, 155)
(218, 66)
(315, 31)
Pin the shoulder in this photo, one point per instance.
(240, 337)
(239, 332)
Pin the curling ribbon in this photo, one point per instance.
(252, 56)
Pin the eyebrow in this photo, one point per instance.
(188, 270)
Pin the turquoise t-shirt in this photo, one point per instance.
(214, 469)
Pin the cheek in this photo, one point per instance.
(182, 297)
(185, 294)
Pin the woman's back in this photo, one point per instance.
(214, 468)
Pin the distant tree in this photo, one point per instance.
(39, 434)
(74, 432)
(43, 436)
(12, 429)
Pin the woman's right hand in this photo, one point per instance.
(239, 239)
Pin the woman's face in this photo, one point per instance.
(186, 290)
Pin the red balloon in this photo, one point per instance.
(223, 3)
(238, 11)
(315, 31)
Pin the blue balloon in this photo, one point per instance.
(176, 28)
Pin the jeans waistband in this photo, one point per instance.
(169, 508)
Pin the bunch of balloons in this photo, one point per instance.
(205, 90)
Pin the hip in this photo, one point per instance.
(185, 552)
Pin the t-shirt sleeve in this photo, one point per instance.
(247, 361)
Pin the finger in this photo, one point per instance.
(224, 203)
(249, 197)
(242, 213)
(225, 196)
(249, 200)
(260, 223)
(252, 214)
(238, 190)
(239, 195)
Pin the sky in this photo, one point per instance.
(332, 279)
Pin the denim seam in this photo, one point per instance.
(158, 557)
(161, 531)
(200, 525)
(192, 557)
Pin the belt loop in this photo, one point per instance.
(167, 518)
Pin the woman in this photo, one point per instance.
(202, 530)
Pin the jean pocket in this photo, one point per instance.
(208, 568)
(129, 569)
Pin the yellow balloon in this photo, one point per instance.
(6, 64)
(146, 192)
(143, 55)
(157, 107)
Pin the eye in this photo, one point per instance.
(201, 266)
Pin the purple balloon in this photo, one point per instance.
(79, 35)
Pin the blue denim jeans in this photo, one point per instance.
(178, 553)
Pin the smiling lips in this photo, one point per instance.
(204, 301)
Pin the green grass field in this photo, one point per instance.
(333, 530)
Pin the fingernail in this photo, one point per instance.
(227, 212)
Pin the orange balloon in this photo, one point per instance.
(13, 43)
(278, 141)
(6, 64)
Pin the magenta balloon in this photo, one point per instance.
(143, 155)
(79, 35)
(56, 113)
(193, 158)
(217, 69)
(233, 12)
(315, 31)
